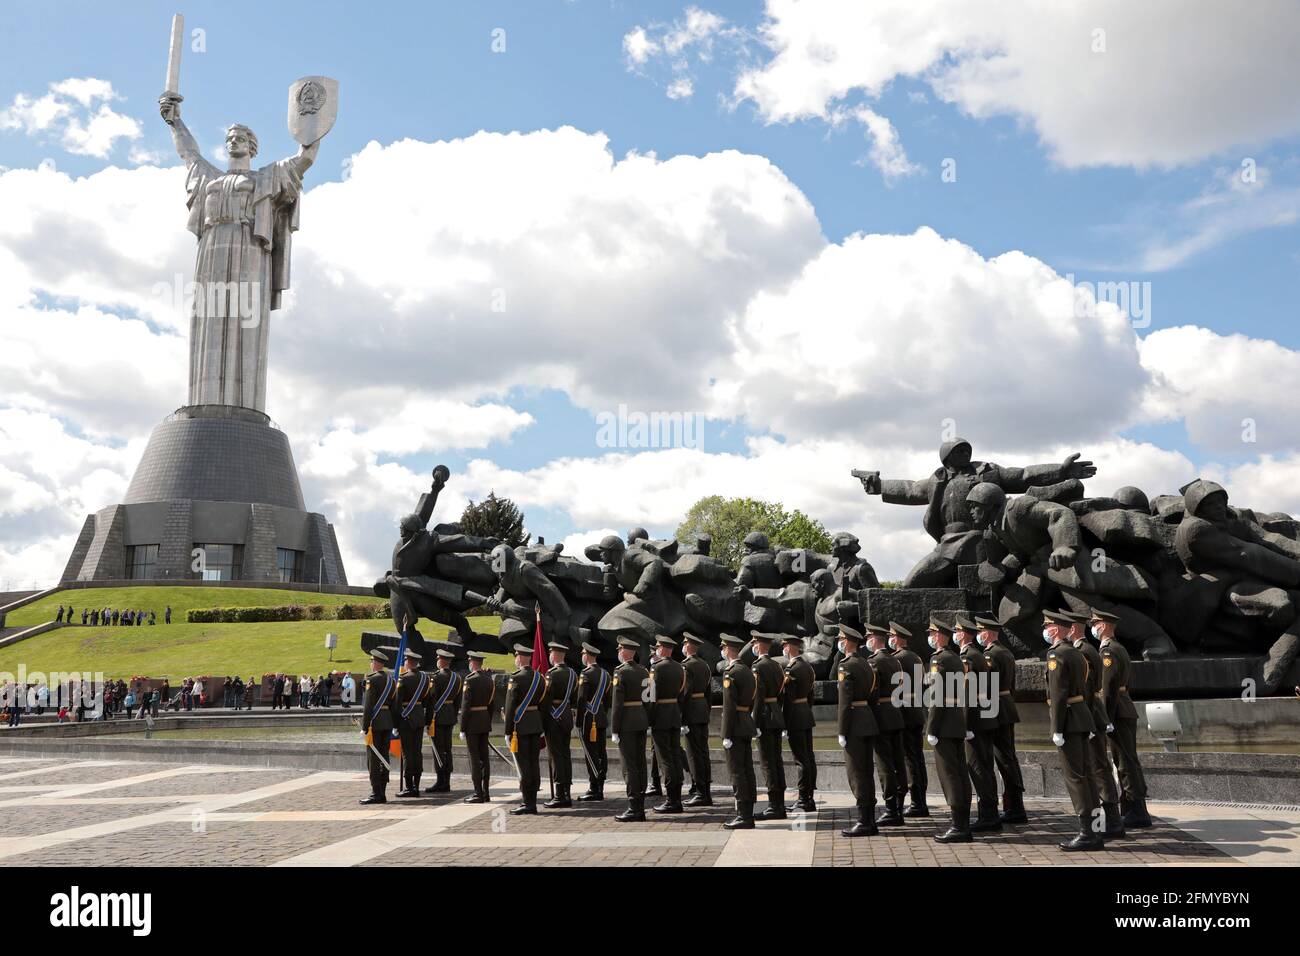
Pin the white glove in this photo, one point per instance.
(1091, 735)
(785, 735)
(844, 741)
(1110, 728)
(970, 735)
(462, 735)
(934, 741)
(726, 743)
(614, 737)
(685, 729)
(1058, 739)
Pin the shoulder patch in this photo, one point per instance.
(934, 668)
(1109, 661)
(616, 681)
(726, 682)
(1051, 664)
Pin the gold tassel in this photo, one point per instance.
(514, 742)
(592, 733)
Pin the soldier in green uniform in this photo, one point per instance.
(858, 695)
(524, 726)
(946, 730)
(797, 712)
(476, 725)
(1122, 717)
(696, 708)
(557, 724)
(667, 684)
(913, 669)
(377, 720)
(888, 744)
(629, 724)
(1004, 738)
(981, 725)
(1099, 765)
(739, 690)
(445, 695)
(769, 677)
(412, 691)
(1071, 722)
(593, 718)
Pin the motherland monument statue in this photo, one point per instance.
(244, 218)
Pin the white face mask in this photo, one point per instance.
(929, 639)
(979, 639)
(893, 643)
(1047, 635)
(1095, 631)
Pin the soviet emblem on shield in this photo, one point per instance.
(313, 108)
(311, 97)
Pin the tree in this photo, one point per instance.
(729, 520)
(495, 518)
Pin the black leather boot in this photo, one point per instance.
(635, 812)
(892, 816)
(1114, 821)
(700, 799)
(673, 804)
(918, 807)
(561, 800)
(864, 826)
(775, 810)
(1137, 817)
(988, 820)
(744, 818)
(1086, 839)
(1013, 808)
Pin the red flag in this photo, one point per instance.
(541, 664)
(540, 657)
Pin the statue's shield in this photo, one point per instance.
(313, 108)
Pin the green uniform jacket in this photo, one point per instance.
(1095, 703)
(373, 713)
(1004, 662)
(1067, 683)
(412, 692)
(593, 694)
(768, 678)
(738, 692)
(557, 705)
(978, 688)
(524, 692)
(947, 718)
(699, 684)
(629, 706)
(859, 692)
(914, 669)
(886, 665)
(448, 687)
(669, 679)
(479, 691)
(1115, 664)
(796, 696)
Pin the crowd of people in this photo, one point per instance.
(112, 616)
(137, 698)
(307, 692)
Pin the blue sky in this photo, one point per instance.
(428, 72)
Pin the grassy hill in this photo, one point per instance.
(181, 600)
(182, 649)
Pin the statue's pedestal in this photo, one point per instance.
(210, 475)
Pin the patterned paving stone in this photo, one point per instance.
(220, 843)
(28, 820)
(218, 780)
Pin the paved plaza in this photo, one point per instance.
(82, 812)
